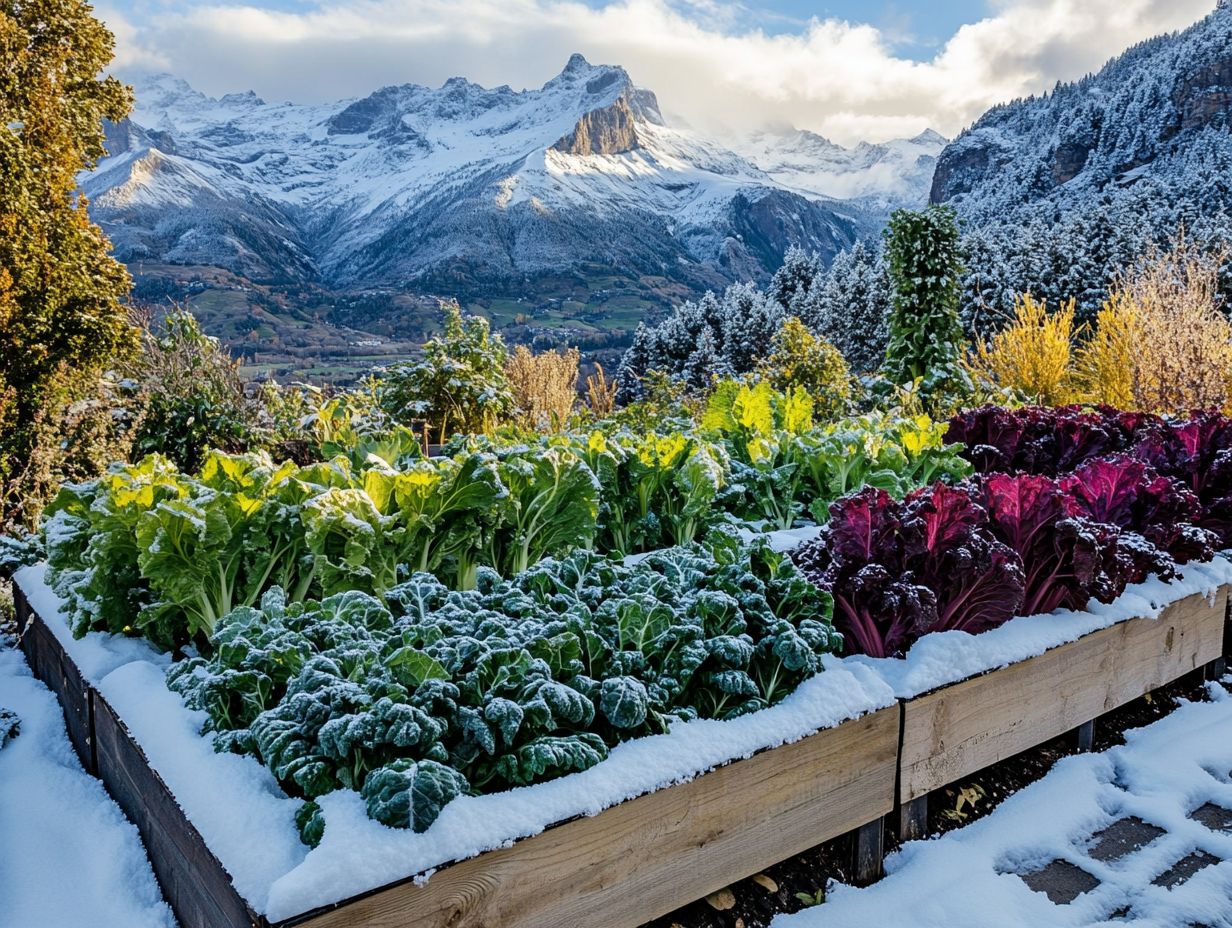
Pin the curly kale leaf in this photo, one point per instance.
(624, 701)
(549, 757)
(411, 794)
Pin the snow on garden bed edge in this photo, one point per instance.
(230, 798)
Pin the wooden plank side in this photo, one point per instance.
(959, 729)
(193, 881)
(644, 858)
(51, 663)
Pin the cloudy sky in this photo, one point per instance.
(851, 70)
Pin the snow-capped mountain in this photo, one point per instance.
(1159, 114)
(894, 173)
(464, 188)
(1059, 193)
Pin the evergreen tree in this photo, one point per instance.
(852, 308)
(705, 363)
(793, 279)
(749, 322)
(62, 320)
(634, 365)
(922, 257)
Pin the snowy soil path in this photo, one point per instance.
(1140, 835)
(68, 857)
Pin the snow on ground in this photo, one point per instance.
(68, 857)
(1173, 776)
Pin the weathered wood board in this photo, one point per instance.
(193, 881)
(959, 729)
(650, 855)
(52, 664)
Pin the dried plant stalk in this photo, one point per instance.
(544, 386)
(601, 392)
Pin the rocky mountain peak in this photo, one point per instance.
(611, 130)
(247, 98)
(595, 79)
(576, 64)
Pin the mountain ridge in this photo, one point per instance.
(321, 191)
(1060, 193)
(562, 212)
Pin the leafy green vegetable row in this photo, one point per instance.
(146, 549)
(430, 694)
(149, 550)
(784, 467)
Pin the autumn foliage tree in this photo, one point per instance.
(1031, 355)
(802, 359)
(62, 320)
(1162, 340)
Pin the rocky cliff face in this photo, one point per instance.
(1205, 97)
(960, 167)
(608, 131)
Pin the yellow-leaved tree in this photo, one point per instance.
(62, 318)
(1161, 342)
(1031, 355)
(800, 359)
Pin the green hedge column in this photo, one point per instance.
(924, 266)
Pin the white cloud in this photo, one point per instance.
(706, 64)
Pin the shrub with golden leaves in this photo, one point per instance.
(544, 386)
(1031, 355)
(1103, 370)
(1161, 343)
(802, 359)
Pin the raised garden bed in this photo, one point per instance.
(638, 860)
(959, 729)
(644, 857)
(631, 862)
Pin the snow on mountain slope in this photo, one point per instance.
(894, 173)
(1156, 115)
(462, 186)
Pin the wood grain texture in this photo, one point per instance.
(868, 853)
(650, 855)
(193, 881)
(52, 664)
(959, 729)
(913, 819)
